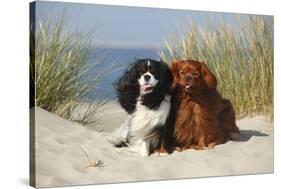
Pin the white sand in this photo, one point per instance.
(60, 161)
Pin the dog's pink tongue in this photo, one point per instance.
(145, 87)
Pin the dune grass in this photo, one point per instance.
(61, 70)
(241, 57)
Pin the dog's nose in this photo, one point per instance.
(147, 77)
(189, 77)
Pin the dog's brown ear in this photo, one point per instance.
(175, 68)
(208, 77)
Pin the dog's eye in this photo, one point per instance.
(182, 72)
(143, 71)
(195, 74)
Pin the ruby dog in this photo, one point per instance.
(203, 118)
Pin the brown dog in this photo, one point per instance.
(203, 118)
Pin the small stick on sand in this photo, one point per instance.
(95, 163)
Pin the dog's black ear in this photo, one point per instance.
(127, 88)
(168, 73)
(168, 77)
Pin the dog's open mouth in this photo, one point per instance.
(187, 87)
(146, 88)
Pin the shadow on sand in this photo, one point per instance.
(246, 135)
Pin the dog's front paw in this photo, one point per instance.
(159, 154)
(143, 154)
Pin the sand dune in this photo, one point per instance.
(60, 160)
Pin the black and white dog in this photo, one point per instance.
(143, 91)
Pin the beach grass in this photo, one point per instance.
(61, 69)
(241, 57)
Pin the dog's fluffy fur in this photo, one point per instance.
(142, 91)
(203, 118)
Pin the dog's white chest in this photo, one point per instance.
(141, 123)
(144, 119)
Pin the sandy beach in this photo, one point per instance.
(60, 160)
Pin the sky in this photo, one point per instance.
(122, 26)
